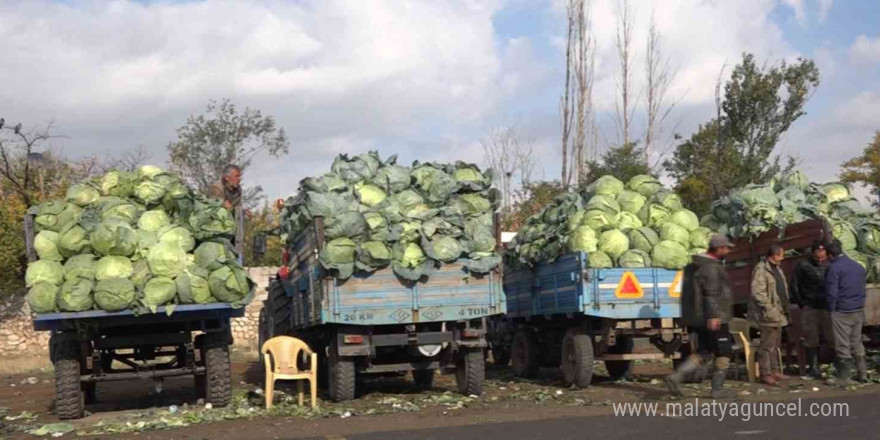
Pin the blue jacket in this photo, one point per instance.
(845, 281)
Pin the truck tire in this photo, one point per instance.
(218, 380)
(275, 316)
(69, 396)
(341, 377)
(524, 353)
(577, 358)
(470, 371)
(499, 339)
(424, 379)
(620, 370)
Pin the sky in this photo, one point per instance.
(422, 79)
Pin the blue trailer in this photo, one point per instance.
(566, 314)
(375, 323)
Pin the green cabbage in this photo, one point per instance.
(211, 255)
(154, 220)
(669, 200)
(193, 287)
(82, 194)
(44, 271)
(115, 237)
(645, 185)
(80, 266)
(631, 201)
(654, 215)
(643, 239)
(73, 240)
(835, 192)
(149, 193)
(112, 207)
(159, 291)
(670, 255)
(700, 238)
(42, 297)
(614, 243)
(606, 185)
(118, 183)
(626, 221)
(393, 178)
(149, 171)
(55, 215)
(166, 259)
(442, 248)
(140, 274)
(46, 246)
(472, 204)
(370, 195)
(410, 255)
(673, 232)
(598, 220)
(338, 254)
(845, 233)
(600, 260)
(75, 295)
(114, 294)
(686, 219)
(605, 203)
(229, 284)
(179, 236)
(113, 267)
(584, 239)
(373, 254)
(634, 258)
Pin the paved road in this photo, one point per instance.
(863, 423)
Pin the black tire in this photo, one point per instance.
(275, 318)
(90, 393)
(524, 353)
(69, 396)
(577, 358)
(470, 371)
(218, 374)
(619, 370)
(424, 379)
(341, 377)
(499, 339)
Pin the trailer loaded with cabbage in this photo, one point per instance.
(592, 272)
(390, 268)
(122, 272)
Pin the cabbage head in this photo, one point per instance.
(614, 243)
(118, 183)
(115, 237)
(55, 215)
(686, 219)
(82, 194)
(606, 185)
(631, 201)
(673, 232)
(654, 215)
(409, 255)
(844, 231)
(472, 204)
(670, 255)
(370, 195)
(835, 192)
(76, 295)
(42, 297)
(584, 239)
(179, 236)
(148, 171)
(645, 185)
(406, 232)
(434, 183)
(796, 179)
(154, 220)
(159, 291)
(211, 255)
(44, 271)
(113, 267)
(626, 220)
(46, 245)
(229, 284)
(149, 193)
(604, 203)
(600, 260)
(119, 209)
(700, 237)
(393, 178)
(869, 237)
(80, 266)
(598, 219)
(469, 174)
(442, 248)
(114, 294)
(643, 239)
(634, 258)
(140, 274)
(166, 259)
(480, 231)
(338, 254)
(373, 254)
(669, 200)
(193, 288)
(73, 240)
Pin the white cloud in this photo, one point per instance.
(799, 8)
(824, 8)
(863, 110)
(865, 49)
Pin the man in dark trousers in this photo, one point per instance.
(845, 283)
(808, 292)
(706, 308)
(229, 190)
(768, 309)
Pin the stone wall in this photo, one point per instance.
(18, 338)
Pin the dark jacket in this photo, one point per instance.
(706, 292)
(808, 284)
(845, 283)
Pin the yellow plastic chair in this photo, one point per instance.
(740, 328)
(280, 355)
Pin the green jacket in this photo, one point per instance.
(706, 292)
(766, 306)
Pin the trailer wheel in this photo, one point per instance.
(69, 396)
(341, 377)
(619, 370)
(577, 358)
(424, 379)
(218, 387)
(524, 353)
(470, 371)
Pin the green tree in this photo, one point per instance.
(263, 219)
(622, 162)
(222, 136)
(758, 106)
(530, 200)
(865, 168)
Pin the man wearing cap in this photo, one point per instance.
(845, 284)
(706, 308)
(768, 309)
(808, 292)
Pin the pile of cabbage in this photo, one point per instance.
(378, 213)
(792, 198)
(634, 224)
(133, 240)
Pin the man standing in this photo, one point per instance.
(768, 309)
(229, 190)
(808, 292)
(845, 282)
(706, 308)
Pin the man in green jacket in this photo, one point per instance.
(706, 308)
(768, 309)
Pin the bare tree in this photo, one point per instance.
(565, 101)
(511, 155)
(132, 159)
(660, 76)
(20, 160)
(576, 103)
(624, 107)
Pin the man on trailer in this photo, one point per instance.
(845, 282)
(808, 292)
(706, 309)
(229, 190)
